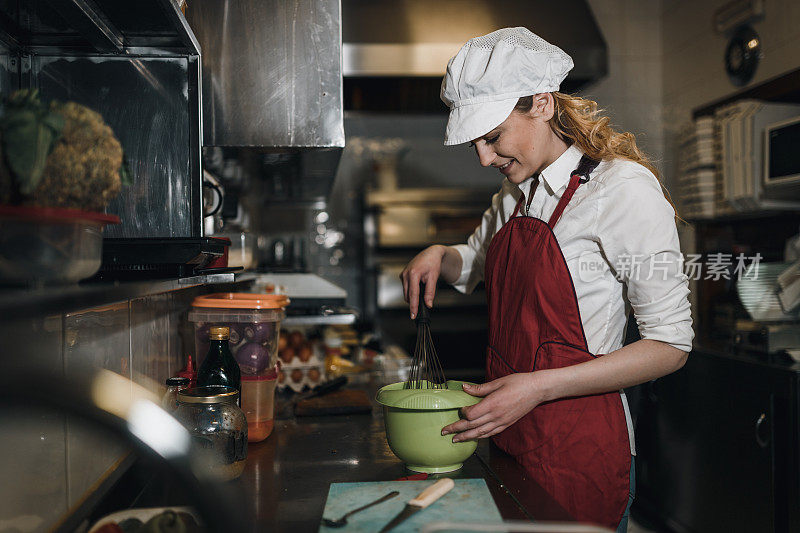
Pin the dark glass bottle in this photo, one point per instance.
(219, 367)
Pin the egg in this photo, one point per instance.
(305, 352)
(296, 339)
(286, 355)
(283, 342)
(314, 375)
(297, 375)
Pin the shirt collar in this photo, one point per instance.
(557, 174)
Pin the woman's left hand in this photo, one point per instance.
(506, 400)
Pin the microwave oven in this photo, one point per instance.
(782, 153)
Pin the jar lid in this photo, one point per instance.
(242, 300)
(177, 381)
(209, 394)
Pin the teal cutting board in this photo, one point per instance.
(470, 501)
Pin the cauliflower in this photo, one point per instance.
(81, 169)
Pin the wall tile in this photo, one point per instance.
(182, 339)
(150, 338)
(632, 30)
(642, 80)
(98, 338)
(642, 29)
(33, 494)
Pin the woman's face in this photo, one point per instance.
(522, 145)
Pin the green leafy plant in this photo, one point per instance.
(58, 155)
(29, 131)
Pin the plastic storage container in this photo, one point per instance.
(50, 245)
(254, 321)
(258, 404)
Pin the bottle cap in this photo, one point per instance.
(219, 333)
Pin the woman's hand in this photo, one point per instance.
(505, 401)
(425, 267)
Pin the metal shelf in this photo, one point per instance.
(320, 320)
(66, 27)
(46, 301)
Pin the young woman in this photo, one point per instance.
(579, 233)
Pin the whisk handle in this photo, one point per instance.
(423, 312)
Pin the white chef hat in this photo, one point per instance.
(489, 74)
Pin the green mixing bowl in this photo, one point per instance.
(414, 419)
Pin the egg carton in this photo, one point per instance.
(299, 375)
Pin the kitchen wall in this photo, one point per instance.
(50, 460)
(693, 70)
(632, 92)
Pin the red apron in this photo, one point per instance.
(577, 449)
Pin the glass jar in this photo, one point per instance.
(218, 427)
(170, 400)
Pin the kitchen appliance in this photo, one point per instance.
(310, 294)
(767, 337)
(376, 45)
(744, 154)
(757, 290)
(175, 257)
(781, 155)
(771, 327)
(299, 106)
(397, 67)
(254, 101)
(399, 224)
(410, 218)
(138, 65)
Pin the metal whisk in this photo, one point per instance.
(426, 370)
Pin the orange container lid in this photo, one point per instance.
(241, 300)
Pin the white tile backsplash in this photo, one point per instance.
(33, 492)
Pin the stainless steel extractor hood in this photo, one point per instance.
(413, 38)
(272, 82)
(271, 72)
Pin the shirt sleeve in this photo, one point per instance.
(637, 233)
(473, 253)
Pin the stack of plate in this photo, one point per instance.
(696, 169)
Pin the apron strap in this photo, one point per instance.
(579, 175)
(522, 199)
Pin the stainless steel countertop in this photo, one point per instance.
(287, 476)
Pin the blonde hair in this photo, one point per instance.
(578, 120)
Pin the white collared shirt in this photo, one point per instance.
(619, 239)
